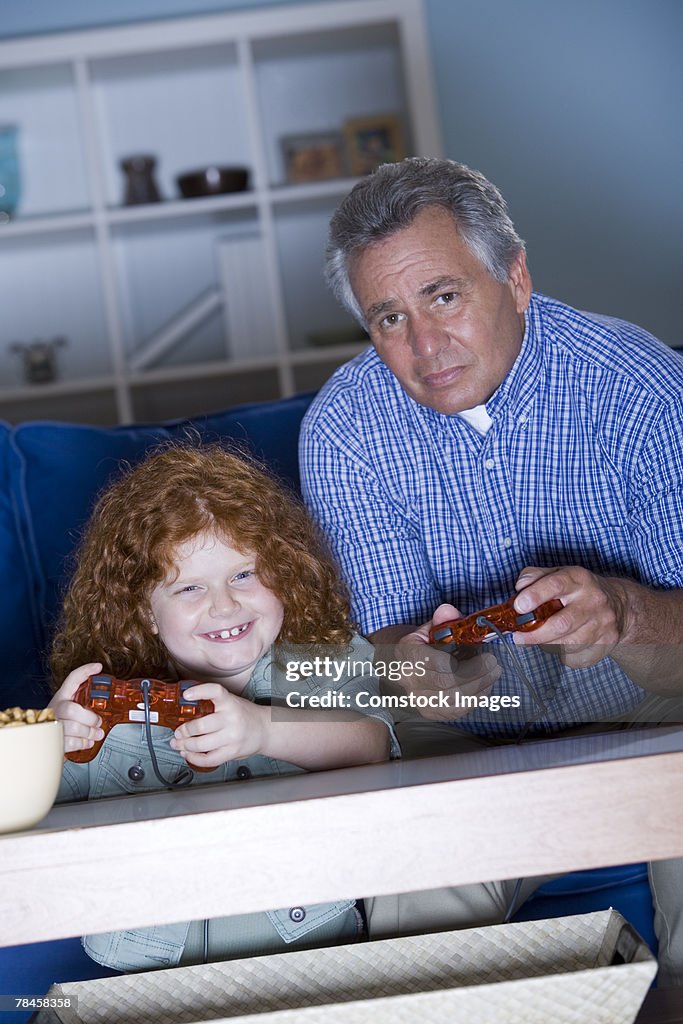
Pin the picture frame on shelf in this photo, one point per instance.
(371, 141)
(313, 156)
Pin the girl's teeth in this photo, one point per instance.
(225, 634)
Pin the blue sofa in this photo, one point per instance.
(50, 474)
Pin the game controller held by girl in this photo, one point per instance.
(136, 700)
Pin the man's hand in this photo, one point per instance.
(591, 622)
(237, 728)
(474, 674)
(640, 628)
(81, 725)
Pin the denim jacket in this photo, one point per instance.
(124, 766)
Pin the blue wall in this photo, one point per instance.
(573, 109)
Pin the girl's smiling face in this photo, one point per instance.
(215, 617)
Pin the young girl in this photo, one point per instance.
(193, 565)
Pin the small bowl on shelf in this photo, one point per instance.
(32, 757)
(212, 181)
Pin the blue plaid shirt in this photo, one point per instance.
(583, 465)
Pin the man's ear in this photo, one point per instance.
(520, 281)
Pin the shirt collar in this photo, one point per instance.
(260, 682)
(519, 388)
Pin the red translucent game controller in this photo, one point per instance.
(122, 700)
(475, 629)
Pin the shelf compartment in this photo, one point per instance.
(48, 291)
(180, 305)
(313, 82)
(184, 107)
(43, 103)
(310, 307)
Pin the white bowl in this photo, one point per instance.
(31, 761)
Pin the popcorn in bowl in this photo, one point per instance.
(25, 716)
(31, 761)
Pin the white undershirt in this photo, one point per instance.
(477, 418)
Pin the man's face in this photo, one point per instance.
(448, 330)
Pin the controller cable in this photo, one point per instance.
(187, 775)
(516, 663)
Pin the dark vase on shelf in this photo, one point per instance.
(140, 183)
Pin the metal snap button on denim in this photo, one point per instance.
(243, 772)
(136, 773)
(297, 914)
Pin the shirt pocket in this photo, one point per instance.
(293, 923)
(139, 949)
(124, 764)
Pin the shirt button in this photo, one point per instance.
(490, 463)
(297, 914)
(507, 542)
(243, 772)
(521, 422)
(136, 773)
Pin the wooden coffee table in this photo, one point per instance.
(537, 808)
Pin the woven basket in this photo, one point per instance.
(592, 968)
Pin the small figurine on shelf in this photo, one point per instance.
(39, 359)
(140, 184)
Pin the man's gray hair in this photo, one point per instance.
(390, 199)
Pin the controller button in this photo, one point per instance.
(136, 773)
(522, 620)
(243, 772)
(297, 914)
(183, 701)
(441, 634)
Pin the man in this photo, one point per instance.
(496, 441)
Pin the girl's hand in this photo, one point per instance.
(237, 728)
(81, 725)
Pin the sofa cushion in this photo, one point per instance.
(58, 469)
(19, 615)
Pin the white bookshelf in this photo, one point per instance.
(120, 281)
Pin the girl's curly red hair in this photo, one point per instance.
(139, 521)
